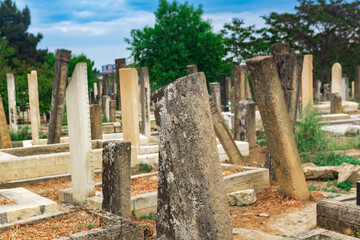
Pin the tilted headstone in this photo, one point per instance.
(192, 202)
(34, 107)
(5, 141)
(112, 110)
(191, 69)
(145, 102)
(116, 173)
(96, 121)
(279, 131)
(119, 63)
(223, 93)
(247, 122)
(215, 94)
(336, 75)
(12, 101)
(129, 110)
(307, 83)
(106, 106)
(357, 83)
(335, 103)
(78, 115)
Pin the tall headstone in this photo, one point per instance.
(357, 83)
(78, 114)
(215, 94)
(113, 111)
(58, 95)
(336, 75)
(129, 110)
(34, 107)
(344, 87)
(335, 103)
(106, 85)
(307, 82)
(96, 121)
(279, 131)
(228, 90)
(119, 63)
(191, 190)
(247, 122)
(100, 88)
(106, 106)
(191, 69)
(96, 93)
(5, 141)
(353, 90)
(145, 102)
(114, 89)
(223, 93)
(116, 173)
(317, 90)
(12, 101)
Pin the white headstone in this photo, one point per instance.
(145, 102)
(34, 106)
(12, 101)
(344, 81)
(78, 115)
(336, 86)
(106, 106)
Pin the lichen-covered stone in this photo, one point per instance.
(247, 122)
(191, 192)
(335, 103)
(96, 121)
(241, 198)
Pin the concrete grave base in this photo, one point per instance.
(320, 234)
(115, 227)
(339, 214)
(324, 107)
(27, 204)
(335, 116)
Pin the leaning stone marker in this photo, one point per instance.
(336, 75)
(12, 101)
(279, 132)
(58, 95)
(145, 102)
(96, 121)
(77, 99)
(215, 94)
(357, 83)
(5, 141)
(247, 122)
(119, 63)
(34, 107)
(335, 103)
(192, 202)
(223, 86)
(116, 173)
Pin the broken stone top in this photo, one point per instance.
(63, 55)
(280, 48)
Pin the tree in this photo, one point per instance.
(91, 72)
(13, 27)
(179, 38)
(327, 29)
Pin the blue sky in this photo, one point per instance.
(98, 28)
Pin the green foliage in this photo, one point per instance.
(151, 216)
(261, 138)
(179, 38)
(346, 185)
(145, 167)
(333, 159)
(23, 133)
(104, 120)
(91, 72)
(311, 187)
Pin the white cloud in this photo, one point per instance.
(83, 14)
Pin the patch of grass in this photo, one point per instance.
(104, 120)
(311, 187)
(145, 167)
(346, 185)
(23, 133)
(333, 159)
(151, 216)
(261, 138)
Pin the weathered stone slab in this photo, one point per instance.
(215, 94)
(247, 122)
(223, 86)
(242, 198)
(279, 132)
(34, 106)
(330, 172)
(100, 86)
(112, 111)
(96, 93)
(106, 107)
(307, 82)
(336, 75)
(119, 63)
(352, 132)
(12, 101)
(58, 95)
(145, 102)
(335, 103)
(191, 191)
(5, 141)
(357, 83)
(349, 172)
(335, 116)
(78, 114)
(96, 121)
(320, 234)
(116, 175)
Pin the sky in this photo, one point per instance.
(98, 28)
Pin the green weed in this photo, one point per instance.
(346, 185)
(145, 167)
(23, 133)
(311, 187)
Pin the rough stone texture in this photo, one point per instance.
(191, 69)
(215, 94)
(106, 85)
(320, 234)
(12, 101)
(327, 92)
(224, 135)
(129, 109)
(58, 95)
(223, 86)
(352, 132)
(280, 48)
(34, 106)
(312, 173)
(116, 173)
(191, 191)
(119, 63)
(307, 82)
(112, 110)
(106, 107)
(247, 122)
(349, 172)
(336, 75)
(279, 131)
(357, 83)
(5, 141)
(335, 103)
(145, 102)
(96, 121)
(96, 93)
(241, 198)
(345, 87)
(78, 114)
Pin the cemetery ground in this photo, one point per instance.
(271, 217)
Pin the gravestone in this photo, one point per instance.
(12, 101)
(317, 90)
(145, 102)
(96, 121)
(113, 111)
(357, 83)
(34, 107)
(116, 173)
(96, 94)
(119, 63)
(192, 202)
(344, 87)
(247, 122)
(307, 83)
(215, 94)
(191, 69)
(228, 90)
(279, 131)
(106, 85)
(114, 89)
(100, 86)
(336, 75)
(335, 103)
(353, 90)
(5, 141)
(78, 114)
(327, 92)
(62, 60)
(106, 106)
(129, 110)
(223, 93)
